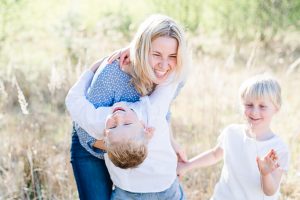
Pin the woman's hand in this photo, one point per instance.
(268, 164)
(123, 55)
(182, 168)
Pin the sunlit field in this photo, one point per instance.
(45, 46)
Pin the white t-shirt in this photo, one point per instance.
(158, 171)
(240, 177)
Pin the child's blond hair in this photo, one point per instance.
(260, 87)
(128, 153)
(155, 26)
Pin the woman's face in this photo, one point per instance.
(163, 57)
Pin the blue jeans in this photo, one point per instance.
(174, 192)
(91, 175)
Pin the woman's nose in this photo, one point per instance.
(164, 64)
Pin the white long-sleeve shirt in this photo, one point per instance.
(82, 111)
(158, 171)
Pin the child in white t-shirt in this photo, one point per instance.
(254, 157)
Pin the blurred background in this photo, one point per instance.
(45, 45)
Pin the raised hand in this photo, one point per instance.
(268, 164)
(122, 54)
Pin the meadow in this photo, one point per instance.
(46, 45)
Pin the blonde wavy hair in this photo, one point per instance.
(155, 26)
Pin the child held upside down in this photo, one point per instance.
(129, 141)
(125, 135)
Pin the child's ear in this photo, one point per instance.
(149, 132)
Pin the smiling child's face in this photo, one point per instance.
(122, 124)
(259, 112)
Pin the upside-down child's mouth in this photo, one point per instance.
(118, 109)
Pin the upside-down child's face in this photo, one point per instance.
(259, 112)
(163, 57)
(122, 124)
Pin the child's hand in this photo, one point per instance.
(268, 164)
(100, 144)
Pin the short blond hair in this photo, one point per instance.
(143, 76)
(260, 87)
(129, 153)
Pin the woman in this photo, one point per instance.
(157, 50)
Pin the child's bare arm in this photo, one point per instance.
(204, 159)
(271, 182)
(270, 172)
